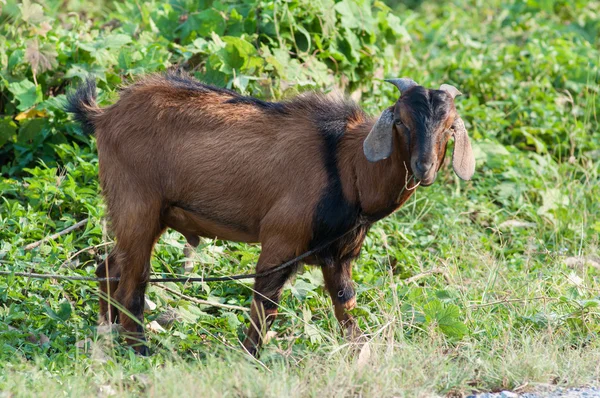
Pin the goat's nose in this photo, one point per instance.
(424, 167)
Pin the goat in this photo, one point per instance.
(291, 175)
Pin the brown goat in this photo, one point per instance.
(292, 175)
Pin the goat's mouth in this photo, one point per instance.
(426, 180)
(424, 168)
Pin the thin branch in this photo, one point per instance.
(56, 235)
(55, 276)
(73, 256)
(203, 302)
(427, 273)
(505, 301)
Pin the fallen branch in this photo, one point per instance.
(203, 302)
(505, 301)
(72, 256)
(427, 273)
(56, 235)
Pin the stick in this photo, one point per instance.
(427, 273)
(55, 276)
(71, 257)
(203, 302)
(505, 301)
(56, 235)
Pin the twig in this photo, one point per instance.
(504, 301)
(71, 257)
(188, 252)
(202, 302)
(427, 273)
(406, 180)
(57, 277)
(56, 235)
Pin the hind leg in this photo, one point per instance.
(267, 292)
(107, 269)
(136, 235)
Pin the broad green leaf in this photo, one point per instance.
(232, 320)
(301, 289)
(445, 317)
(350, 13)
(239, 55)
(8, 128)
(207, 22)
(309, 328)
(27, 93)
(303, 41)
(30, 129)
(110, 42)
(395, 24)
(191, 313)
(83, 71)
(62, 314)
(15, 58)
(64, 310)
(552, 199)
(116, 41)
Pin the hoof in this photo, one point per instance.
(142, 350)
(137, 341)
(251, 348)
(253, 351)
(353, 334)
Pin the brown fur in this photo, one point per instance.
(210, 163)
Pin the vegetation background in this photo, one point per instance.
(484, 285)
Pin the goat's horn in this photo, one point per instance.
(453, 91)
(403, 83)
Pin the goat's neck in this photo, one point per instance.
(382, 187)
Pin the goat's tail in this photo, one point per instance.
(82, 103)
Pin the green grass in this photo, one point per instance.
(471, 286)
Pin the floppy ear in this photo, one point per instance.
(463, 160)
(378, 144)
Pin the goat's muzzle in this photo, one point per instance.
(425, 171)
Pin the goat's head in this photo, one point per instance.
(425, 119)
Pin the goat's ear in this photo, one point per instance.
(378, 144)
(463, 160)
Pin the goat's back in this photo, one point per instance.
(211, 150)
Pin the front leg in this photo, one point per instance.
(338, 281)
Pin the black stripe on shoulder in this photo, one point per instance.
(334, 215)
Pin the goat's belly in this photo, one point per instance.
(192, 225)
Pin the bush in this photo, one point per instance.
(268, 49)
(525, 73)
